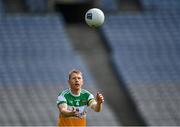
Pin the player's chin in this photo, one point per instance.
(77, 86)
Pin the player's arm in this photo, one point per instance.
(65, 112)
(96, 105)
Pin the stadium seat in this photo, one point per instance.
(37, 6)
(161, 4)
(109, 5)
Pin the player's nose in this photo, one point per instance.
(77, 80)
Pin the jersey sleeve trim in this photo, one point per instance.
(91, 101)
(61, 102)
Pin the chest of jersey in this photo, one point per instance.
(78, 102)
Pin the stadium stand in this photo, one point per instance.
(109, 5)
(161, 5)
(36, 56)
(25, 38)
(145, 52)
(37, 6)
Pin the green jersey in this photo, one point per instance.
(80, 102)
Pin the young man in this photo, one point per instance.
(72, 102)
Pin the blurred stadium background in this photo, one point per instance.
(133, 59)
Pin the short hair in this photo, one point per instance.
(75, 71)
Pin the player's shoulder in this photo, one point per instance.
(62, 93)
(83, 91)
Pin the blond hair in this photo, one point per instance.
(74, 71)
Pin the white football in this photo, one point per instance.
(94, 17)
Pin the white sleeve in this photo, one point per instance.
(91, 100)
(61, 99)
(90, 97)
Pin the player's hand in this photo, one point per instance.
(74, 112)
(99, 98)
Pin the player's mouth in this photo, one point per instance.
(77, 84)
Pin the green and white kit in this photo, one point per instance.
(79, 102)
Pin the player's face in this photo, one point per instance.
(76, 81)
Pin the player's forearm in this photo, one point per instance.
(66, 113)
(98, 107)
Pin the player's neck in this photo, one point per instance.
(75, 91)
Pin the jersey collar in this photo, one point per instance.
(74, 94)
